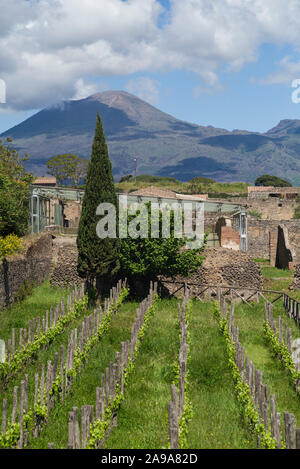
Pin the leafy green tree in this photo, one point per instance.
(14, 191)
(146, 257)
(126, 178)
(67, 166)
(81, 170)
(274, 181)
(97, 258)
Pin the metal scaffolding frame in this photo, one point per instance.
(39, 212)
(41, 196)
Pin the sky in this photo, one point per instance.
(232, 64)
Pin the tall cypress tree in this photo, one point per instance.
(98, 259)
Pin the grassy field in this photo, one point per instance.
(35, 305)
(277, 279)
(143, 418)
(250, 321)
(83, 390)
(214, 189)
(217, 422)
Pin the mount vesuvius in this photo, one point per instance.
(162, 144)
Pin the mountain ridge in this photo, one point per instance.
(162, 144)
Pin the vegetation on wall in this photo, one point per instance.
(254, 213)
(297, 208)
(297, 213)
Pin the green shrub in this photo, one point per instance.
(254, 213)
(297, 213)
(9, 245)
(267, 180)
(24, 290)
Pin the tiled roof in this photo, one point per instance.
(45, 180)
(192, 196)
(153, 191)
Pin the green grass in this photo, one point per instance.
(217, 422)
(250, 321)
(262, 261)
(41, 357)
(142, 419)
(143, 416)
(83, 390)
(214, 189)
(269, 272)
(17, 315)
(279, 280)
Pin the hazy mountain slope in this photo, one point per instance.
(162, 144)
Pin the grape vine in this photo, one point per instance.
(242, 389)
(281, 351)
(39, 413)
(99, 427)
(8, 369)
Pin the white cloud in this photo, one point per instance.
(49, 48)
(83, 90)
(288, 70)
(145, 88)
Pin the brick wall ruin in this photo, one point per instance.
(229, 238)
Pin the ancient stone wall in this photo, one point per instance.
(223, 267)
(64, 272)
(293, 228)
(270, 191)
(259, 237)
(295, 285)
(268, 208)
(33, 265)
(265, 242)
(72, 211)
